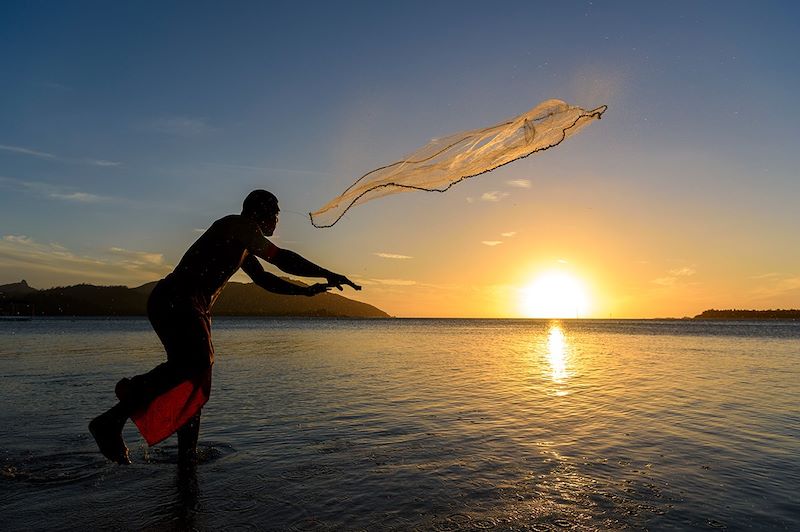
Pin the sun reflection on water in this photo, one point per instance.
(557, 356)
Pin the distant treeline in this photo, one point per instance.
(736, 314)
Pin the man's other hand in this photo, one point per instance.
(336, 281)
(315, 289)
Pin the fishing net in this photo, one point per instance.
(445, 161)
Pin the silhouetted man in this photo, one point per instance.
(169, 398)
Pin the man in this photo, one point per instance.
(169, 397)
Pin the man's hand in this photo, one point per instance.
(315, 289)
(336, 281)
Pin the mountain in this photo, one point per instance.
(237, 299)
(16, 289)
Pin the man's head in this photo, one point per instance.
(262, 207)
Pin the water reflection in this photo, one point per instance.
(557, 357)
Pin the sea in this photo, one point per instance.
(416, 424)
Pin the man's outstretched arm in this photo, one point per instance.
(292, 263)
(273, 283)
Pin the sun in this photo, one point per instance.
(554, 295)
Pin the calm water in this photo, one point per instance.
(417, 424)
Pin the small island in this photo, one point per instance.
(740, 314)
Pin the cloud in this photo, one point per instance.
(27, 151)
(470, 200)
(509, 234)
(388, 282)
(766, 275)
(183, 126)
(776, 286)
(788, 284)
(23, 257)
(396, 282)
(52, 157)
(392, 256)
(51, 191)
(18, 239)
(19, 184)
(519, 183)
(674, 276)
(139, 257)
(493, 195)
(491, 242)
(80, 197)
(102, 162)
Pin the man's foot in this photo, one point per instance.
(107, 432)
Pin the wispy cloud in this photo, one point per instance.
(21, 255)
(384, 282)
(776, 286)
(27, 151)
(493, 243)
(52, 191)
(519, 183)
(493, 195)
(18, 239)
(674, 276)
(395, 282)
(103, 162)
(79, 197)
(769, 275)
(183, 126)
(392, 256)
(53, 157)
(139, 257)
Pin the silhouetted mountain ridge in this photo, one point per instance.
(237, 299)
(15, 289)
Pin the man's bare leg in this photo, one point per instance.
(187, 441)
(107, 432)
(132, 394)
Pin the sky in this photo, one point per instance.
(127, 128)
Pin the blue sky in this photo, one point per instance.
(127, 127)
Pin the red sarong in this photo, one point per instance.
(175, 391)
(171, 410)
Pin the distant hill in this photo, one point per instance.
(16, 289)
(735, 314)
(237, 299)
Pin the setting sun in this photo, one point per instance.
(554, 295)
